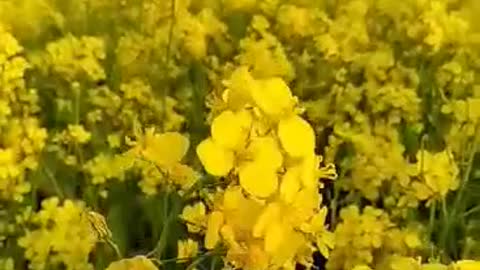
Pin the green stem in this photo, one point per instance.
(472, 211)
(167, 61)
(466, 175)
(213, 263)
(115, 248)
(167, 218)
(333, 205)
(431, 220)
(55, 185)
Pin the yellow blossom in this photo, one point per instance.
(135, 263)
(187, 248)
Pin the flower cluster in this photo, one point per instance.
(22, 139)
(369, 238)
(269, 215)
(63, 237)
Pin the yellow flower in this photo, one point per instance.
(62, 236)
(362, 267)
(195, 215)
(438, 175)
(71, 57)
(165, 149)
(135, 263)
(466, 265)
(434, 266)
(7, 264)
(297, 136)
(401, 263)
(187, 248)
(214, 223)
(79, 134)
(239, 87)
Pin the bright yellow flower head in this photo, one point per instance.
(164, 149)
(239, 87)
(79, 134)
(62, 235)
(438, 175)
(187, 248)
(434, 266)
(195, 215)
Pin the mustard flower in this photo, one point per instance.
(137, 263)
(187, 248)
(438, 175)
(62, 237)
(265, 152)
(161, 157)
(72, 57)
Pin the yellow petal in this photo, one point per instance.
(308, 167)
(216, 160)
(412, 240)
(165, 149)
(230, 129)
(215, 222)
(266, 151)
(422, 192)
(274, 237)
(270, 214)
(138, 262)
(239, 87)
(434, 266)
(297, 136)
(290, 185)
(232, 198)
(273, 97)
(467, 265)
(258, 180)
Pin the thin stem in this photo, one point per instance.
(431, 220)
(162, 242)
(472, 211)
(55, 185)
(213, 263)
(466, 175)
(333, 205)
(77, 105)
(181, 260)
(115, 248)
(167, 61)
(445, 226)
